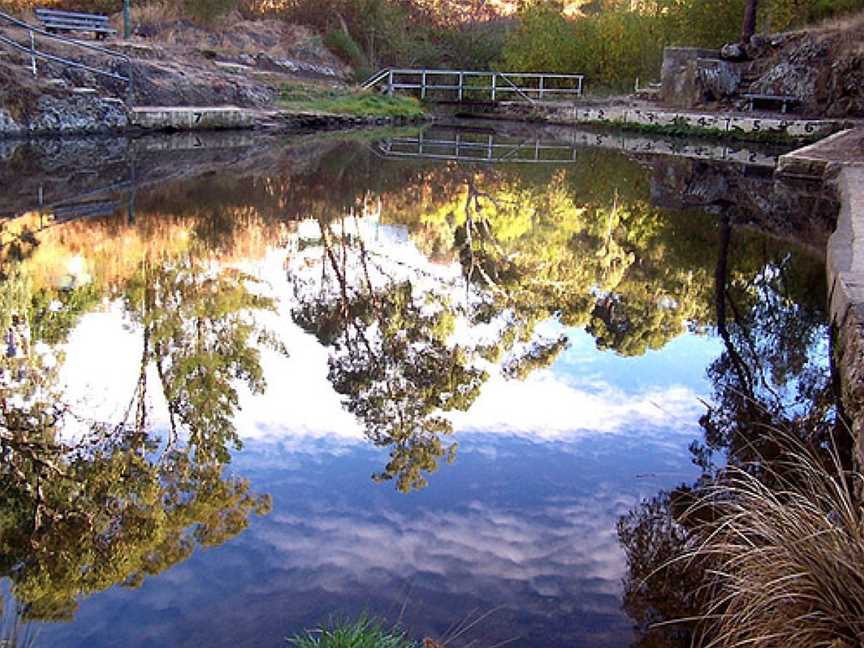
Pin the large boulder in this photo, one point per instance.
(692, 76)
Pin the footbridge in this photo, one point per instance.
(471, 86)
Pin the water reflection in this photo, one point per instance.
(326, 306)
(770, 385)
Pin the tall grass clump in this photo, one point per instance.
(362, 633)
(785, 543)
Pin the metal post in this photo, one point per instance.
(541, 88)
(494, 77)
(461, 82)
(423, 85)
(390, 83)
(33, 52)
(489, 149)
(127, 20)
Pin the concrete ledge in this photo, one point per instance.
(193, 118)
(741, 125)
(843, 154)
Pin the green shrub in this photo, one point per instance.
(618, 44)
(342, 45)
(363, 633)
(208, 11)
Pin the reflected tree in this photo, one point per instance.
(199, 330)
(770, 381)
(390, 357)
(88, 504)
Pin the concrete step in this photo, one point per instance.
(193, 117)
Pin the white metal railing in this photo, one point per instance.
(30, 48)
(474, 85)
(473, 147)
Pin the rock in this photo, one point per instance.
(757, 47)
(718, 79)
(267, 62)
(77, 114)
(9, 126)
(679, 77)
(733, 52)
(691, 77)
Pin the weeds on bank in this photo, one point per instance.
(786, 545)
(349, 102)
(362, 633)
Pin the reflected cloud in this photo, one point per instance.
(301, 411)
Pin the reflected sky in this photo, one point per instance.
(520, 526)
(518, 533)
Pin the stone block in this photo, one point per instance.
(679, 87)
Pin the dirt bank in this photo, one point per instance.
(174, 63)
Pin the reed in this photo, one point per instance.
(785, 544)
(362, 633)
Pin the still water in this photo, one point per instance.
(253, 385)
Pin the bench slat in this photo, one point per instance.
(70, 14)
(771, 97)
(66, 25)
(56, 20)
(101, 30)
(86, 23)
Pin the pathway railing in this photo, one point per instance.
(35, 54)
(484, 147)
(474, 147)
(470, 85)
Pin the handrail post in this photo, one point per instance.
(461, 82)
(33, 51)
(390, 83)
(494, 77)
(423, 85)
(541, 88)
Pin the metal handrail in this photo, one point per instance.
(424, 80)
(375, 78)
(37, 54)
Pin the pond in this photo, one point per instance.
(251, 385)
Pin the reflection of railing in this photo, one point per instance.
(463, 145)
(465, 148)
(34, 53)
(470, 85)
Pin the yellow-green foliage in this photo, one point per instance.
(619, 44)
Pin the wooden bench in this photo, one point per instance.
(784, 100)
(55, 21)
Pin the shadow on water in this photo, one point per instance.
(424, 271)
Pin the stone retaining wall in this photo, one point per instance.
(740, 125)
(839, 160)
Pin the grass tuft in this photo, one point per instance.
(785, 541)
(362, 633)
(349, 102)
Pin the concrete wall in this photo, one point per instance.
(737, 124)
(192, 118)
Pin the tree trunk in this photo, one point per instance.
(749, 26)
